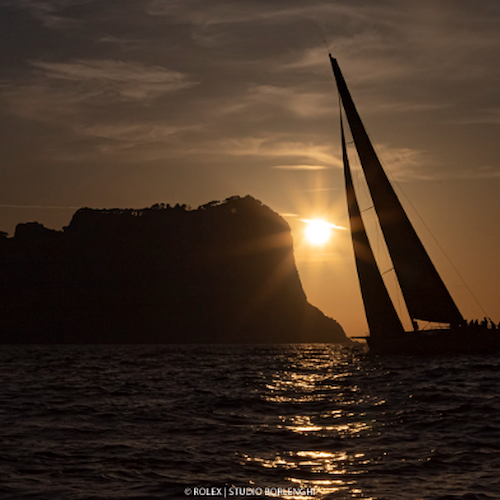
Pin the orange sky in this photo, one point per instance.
(126, 104)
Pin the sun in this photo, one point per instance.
(318, 231)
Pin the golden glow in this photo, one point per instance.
(315, 376)
(318, 232)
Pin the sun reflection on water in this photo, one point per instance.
(331, 469)
(313, 395)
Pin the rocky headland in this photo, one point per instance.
(223, 273)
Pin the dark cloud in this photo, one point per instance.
(128, 74)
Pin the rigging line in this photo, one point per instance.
(440, 248)
(322, 35)
(327, 46)
(388, 271)
(326, 43)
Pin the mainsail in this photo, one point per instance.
(382, 318)
(425, 294)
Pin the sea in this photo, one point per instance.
(246, 421)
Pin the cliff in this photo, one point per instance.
(223, 273)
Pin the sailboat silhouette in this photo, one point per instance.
(424, 292)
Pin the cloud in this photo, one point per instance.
(129, 80)
(299, 101)
(107, 101)
(58, 92)
(404, 107)
(198, 13)
(49, 12)
(137, 141)
(135, 132)
(406, 164)
(261, 85)
(401, 164)
(489, 116)
(298, 153)
(479, 173)
(124, 43)
(300, 167)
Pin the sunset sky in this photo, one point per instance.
(126, 103)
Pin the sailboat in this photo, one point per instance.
(424, 293)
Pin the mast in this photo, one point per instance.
(424, 292)
(382, 318)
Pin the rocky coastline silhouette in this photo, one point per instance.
(222, 273)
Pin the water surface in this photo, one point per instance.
(317, 421)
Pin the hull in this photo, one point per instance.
(458, 340)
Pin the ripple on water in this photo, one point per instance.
(148, 421)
